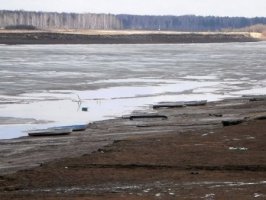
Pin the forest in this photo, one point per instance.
(53, 20)
(187, 22)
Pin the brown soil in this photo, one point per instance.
(188, 156)
(39, 37)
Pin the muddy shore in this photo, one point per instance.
(189, 154)
(47, 37)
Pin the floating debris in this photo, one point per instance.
(84, 109)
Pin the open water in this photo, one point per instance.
(46, 85)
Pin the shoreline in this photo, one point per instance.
(17, 37)
(146, 158)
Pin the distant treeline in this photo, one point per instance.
(187, 22)
(20, 27)
(50, 20)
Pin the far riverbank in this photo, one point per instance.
(120, 37)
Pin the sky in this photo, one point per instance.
(245, 8)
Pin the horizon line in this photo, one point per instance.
(162, 15)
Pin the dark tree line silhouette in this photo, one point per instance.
(187, 22)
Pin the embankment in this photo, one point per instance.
(44, 37)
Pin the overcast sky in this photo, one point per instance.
(247, 8)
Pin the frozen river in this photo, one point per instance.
(44, 85)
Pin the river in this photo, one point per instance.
(47, 85)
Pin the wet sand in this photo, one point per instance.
(119, 37)
(189, 155)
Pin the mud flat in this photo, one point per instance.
(119, 37)
(189, 155)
